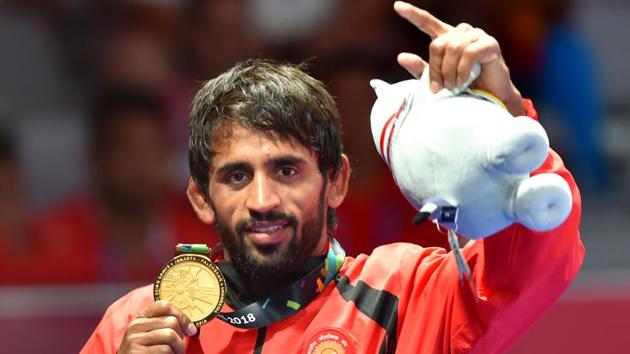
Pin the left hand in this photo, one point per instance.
(453, 51)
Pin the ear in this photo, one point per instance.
(379, 86)
(198, 201)
(338, 187)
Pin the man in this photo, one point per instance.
(122, 228)
(268, 171)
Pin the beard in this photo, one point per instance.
(272, 261)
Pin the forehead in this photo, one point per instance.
(235, 142)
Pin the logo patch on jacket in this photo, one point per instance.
(330, 341)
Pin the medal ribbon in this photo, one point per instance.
(284, 302)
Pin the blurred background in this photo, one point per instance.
(93, 140)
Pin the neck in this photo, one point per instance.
(322, 245)
(244, 289)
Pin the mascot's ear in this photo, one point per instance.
(379, 86)
(522, 151)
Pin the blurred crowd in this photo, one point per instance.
(93, 115)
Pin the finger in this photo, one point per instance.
(163, 336)
(412, 63)
(161, 349)
(140, 325)
(486, 50)
(479, 44)
(164, 308)
(456, 40)
(422, 19)
(436, 56)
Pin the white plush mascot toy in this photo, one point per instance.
(463, 161)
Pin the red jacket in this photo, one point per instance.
(405, 298)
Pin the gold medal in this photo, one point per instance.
(194, 284)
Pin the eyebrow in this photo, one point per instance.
(287, 160)
(275, 161)
(232, 166)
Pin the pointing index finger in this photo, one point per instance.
(422, 19)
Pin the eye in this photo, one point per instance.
(237, 178)
(287, 171)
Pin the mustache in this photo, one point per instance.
(255, 217)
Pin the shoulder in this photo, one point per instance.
(401, 254)
(123, 311)
(394, 265)
(110, 331)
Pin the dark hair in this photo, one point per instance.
(267, 96)
(112, 103)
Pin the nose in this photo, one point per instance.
(263, 196)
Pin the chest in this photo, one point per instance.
(344, 319)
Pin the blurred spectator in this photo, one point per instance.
(127, 225)
(133, 56)
(37, 92)
(359, 25)
(374, 212)
(551, 61)
(136, 56)
(220, 33)
(15, 236)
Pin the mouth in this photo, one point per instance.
(267, 232)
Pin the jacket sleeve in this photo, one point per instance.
(517, 274)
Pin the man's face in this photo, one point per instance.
(269, 201)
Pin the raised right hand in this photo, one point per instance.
(452, 54)
(158, 328)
